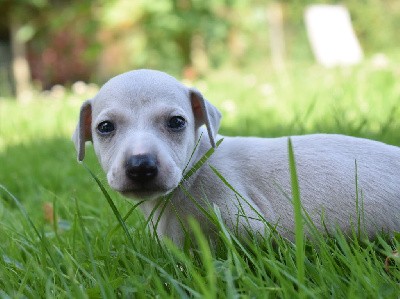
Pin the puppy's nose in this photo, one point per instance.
(141, 168)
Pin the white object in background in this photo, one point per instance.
(332, 36)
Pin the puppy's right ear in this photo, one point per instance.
(83, 131)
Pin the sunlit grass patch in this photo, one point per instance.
(360, 101)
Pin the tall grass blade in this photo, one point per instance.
(208, 283)
(112, 205)
(203, 160)
(99, 279)
(298, 218)
(193, 152)
(261, 217)
(357, 203)
(131, 210)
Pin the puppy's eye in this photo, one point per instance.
(176, 123)
(105, 127)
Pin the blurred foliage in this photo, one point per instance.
(174, 34)
(72, 40)
(60, 36)
(66, 49)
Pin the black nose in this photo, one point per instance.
(141, 168)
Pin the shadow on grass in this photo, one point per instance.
(46, 169)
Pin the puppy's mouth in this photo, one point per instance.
(145, 193)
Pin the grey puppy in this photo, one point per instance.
(145, 125)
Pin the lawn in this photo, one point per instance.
(60, 237)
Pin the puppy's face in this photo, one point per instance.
(143, 126)
(143, 137)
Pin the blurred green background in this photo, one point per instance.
(67, 41)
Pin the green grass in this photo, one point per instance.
(95, 249)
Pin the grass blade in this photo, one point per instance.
(96, 273)
(298, 218)
(112, 205)
(42, 237)
(201, 161)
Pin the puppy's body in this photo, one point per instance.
(327, 166)
(146, 109)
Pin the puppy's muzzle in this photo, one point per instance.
(141, 168)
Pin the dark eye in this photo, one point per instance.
(105, 127)
(176, 123)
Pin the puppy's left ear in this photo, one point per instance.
(83, 131)
(205, 113)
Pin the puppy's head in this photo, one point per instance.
(144, 126)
